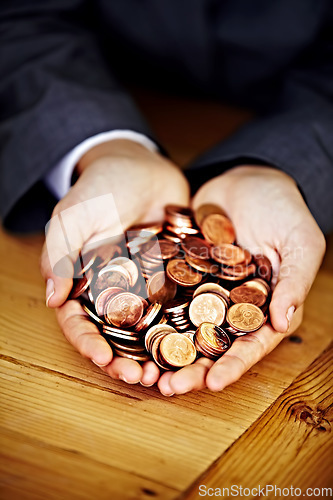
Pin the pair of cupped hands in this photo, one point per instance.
(269, 215)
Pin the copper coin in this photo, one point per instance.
(80, 285)
(207, 307)
(179, 210)
(155, 330)
(182, 274)
(163, 249)
(248, 294)
(196, 247)
(124, 335)
(130, 267)
(84, 262)
(114, 268)
(204, 266)
(231, 255)
(182, 231)
(214, 337)
(177, 350)
(264, 267)
(171, 236)
(144, 301)
(152, 228)
(151, 315)
(228, 277)
(90, 296)
(103, 297)
(240, 271)
(175, 305)
(212, 287)
(207, 209)
(179, 215)
(189, 334)
(91, 313)
(105, 253)
(133, 347)
(114, 276)
(218, 229)
(155, 351)
(136, 357)
(136, 239)
(160, 288)
(245, 317)
(125, 310)
(147, 266)
(259, 284)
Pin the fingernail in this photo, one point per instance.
(99, 365)
(146, 385)
(289, 315)
(49, 290)
(124, 379)
(168, 395)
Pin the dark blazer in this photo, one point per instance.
(60, 67)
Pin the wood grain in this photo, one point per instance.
(291, 444)
(68, 431)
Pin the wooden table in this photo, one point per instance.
(70, 432)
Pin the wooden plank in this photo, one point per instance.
(33, 469)
(291, 444)
(149, 437)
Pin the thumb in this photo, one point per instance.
(298, 269)
(56, 264)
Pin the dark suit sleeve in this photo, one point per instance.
(55, 91)
(295, 134)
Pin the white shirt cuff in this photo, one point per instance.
(58, 180)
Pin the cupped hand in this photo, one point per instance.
(120, 183)
(270, 218)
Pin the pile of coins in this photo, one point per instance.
(174, 291)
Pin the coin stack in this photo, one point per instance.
(176, 313)
(169, 348)
(175, 291)
(211, 341)
(179, 222)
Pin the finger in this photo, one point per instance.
(150, 374)
(190, 378)
(296, 320)
(62, 244)
(124, 369)
(57, 288)
(164, 384)
(301, 259)
(83, 334)
(245, 352)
